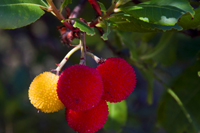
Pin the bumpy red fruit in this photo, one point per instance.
(80, 87)
(118, 77)
(88, 121)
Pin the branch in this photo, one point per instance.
(78, 9)
(83, 48)
(59, 15)
(108, 12)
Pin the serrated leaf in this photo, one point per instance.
(155, 14)
(171, 115)
(125, 22)
(188, 22)
(84, 27)
(106, 31)
(18, 13)
(64, 3)
(103, 8)
(117, 116)
(181, 4)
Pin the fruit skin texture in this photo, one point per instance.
(80, 87)
(42, 93)
(88, 121)
(118, 77)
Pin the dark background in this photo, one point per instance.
(31, 50)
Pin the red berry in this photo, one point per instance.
(118, 77)
(80, 87)
(88, 121)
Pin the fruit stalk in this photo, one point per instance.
(97, 59)
(62, 63)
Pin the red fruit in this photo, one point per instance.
(118, 77)
(88, 121)
(80, 87)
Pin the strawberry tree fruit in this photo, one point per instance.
(88, 121)
(42, 93)
(80, 87)
(118, 77)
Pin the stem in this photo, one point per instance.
(59, 15)
(83, 48)
(108, 12)
(78, 9)
(176, 98)
(97, 59)
(179, 102)
(62, 63)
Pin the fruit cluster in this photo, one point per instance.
(84, 91)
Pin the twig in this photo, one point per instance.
(59, 15)
(108, 12)
(97, 59)
(83, 48)
(78, 9)
(62, 63)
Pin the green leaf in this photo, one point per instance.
(125, 22)
(18, 13)
(155, 14)
(181, 4)
(103, 8)
(117, 116)
(126, 38)
(106, 31)
(122, 2)
(199, 73)
(164, 41)
(84, 27)
(188, 22)
(178, 112)
(64, 3)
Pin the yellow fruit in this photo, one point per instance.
(43, 94)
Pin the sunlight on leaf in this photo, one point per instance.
(117, 116)
(18, 13)
(84, 27)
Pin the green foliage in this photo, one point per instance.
(18, 13)
(103, 8)
(188, 22)
(171, 114)
(122, 2)
(106, 31)
(155, 15)
(164, 41)
(183, 5)
(65, 3)
(126, 22)
(117, 116)
(84, 27)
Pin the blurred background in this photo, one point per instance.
(31, 50)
